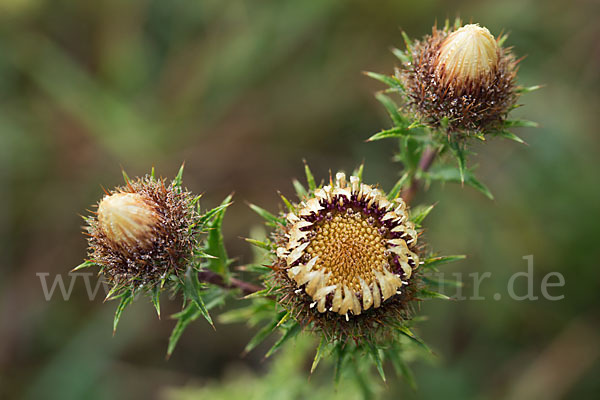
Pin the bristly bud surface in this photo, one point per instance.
(460, 80)
(143, 233)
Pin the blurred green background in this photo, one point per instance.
(242, 91)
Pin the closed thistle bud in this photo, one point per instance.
(468, 54)
(144, 233)
(128, 220)
(460, 80)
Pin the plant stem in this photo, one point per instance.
(425, 163)
(216, 279)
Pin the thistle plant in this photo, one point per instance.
(453, 87)
(346, 264)
(150, 236)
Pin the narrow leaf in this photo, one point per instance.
(263, 333)
(398, 119)
(310, 179)
(192, 289)
(126, 299)
(511, 136)
(374, 352)
(272, 219)
(258, 243)
(318, 354)
(401, 368)
(386, 79)
(389, 133)
(179, 178)
(418, 214)
(520, 123)
(528, 89)
(300, 190)
(184, 318)
(292, 332)
(395, 192)
(409, 334)
(436, 261)
(287, 203)
(156, 299)
(430, 294)
(85, 264)
(215, 245)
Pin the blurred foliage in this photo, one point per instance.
(242, 91)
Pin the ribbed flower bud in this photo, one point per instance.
(143, 232)
(469, 53)
(461, 80)
(128, 219)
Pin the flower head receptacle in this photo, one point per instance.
(346, 261)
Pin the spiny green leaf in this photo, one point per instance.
(407, 41)
(520, 123)
(434, 262)
(447, 173)
(358, 172)
(319, 354)
(511, 136)
(441, 282)
(215, 245)
(411, 151)
(258, 243)
(204, 219)
(152, 174)
(473, 182)
(300, 190)
(391, 81)
(156, 299)
(291, 332)
(259, 293)
(192, 291)
(501, 40)
(401, 368)
(339, 355)
(419, 213)
(398, 119)
(287, 203)
(409, 334)
(177, 182)
(126, 299)
(125, 177)
(310, 179)
(184, 318)
(459, 153)
(263, 333)
(267, 216)
(404, 57)
(395, 192)
(85, 264)
(430, 294)
(374, 352)
(389, 133)
(528, 89)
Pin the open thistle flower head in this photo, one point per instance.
(143, 232)
(461, 79)
(346, 259)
